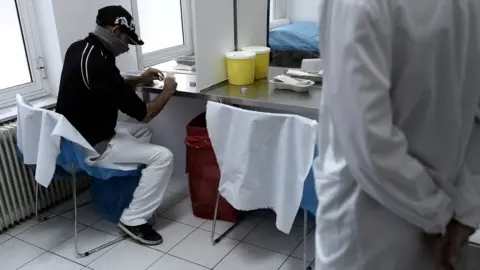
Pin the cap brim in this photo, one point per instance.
(135, 39)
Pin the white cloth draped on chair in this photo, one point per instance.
(264, 158)
(39, 134)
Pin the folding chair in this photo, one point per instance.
(69, 162)
(69, 154)
(243, 118)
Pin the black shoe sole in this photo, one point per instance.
(139, 239)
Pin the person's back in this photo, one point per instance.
(93, 113)
(401, 90)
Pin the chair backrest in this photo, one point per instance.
(46, 139)
(261, 138)
(264, 158)
(257, 130)
(30, 127)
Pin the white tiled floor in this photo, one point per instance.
(254, 244)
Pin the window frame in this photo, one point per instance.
(165, 55)
(36, 88)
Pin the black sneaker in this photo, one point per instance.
(144, 234)
(153, 220)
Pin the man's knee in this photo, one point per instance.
(163, 156)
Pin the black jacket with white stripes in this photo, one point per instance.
(92, 91)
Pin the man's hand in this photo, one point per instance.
(448, 248)
(458, 235)
(170, 85)
(156, 106)
(150, 75)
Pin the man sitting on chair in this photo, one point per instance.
(91, 93)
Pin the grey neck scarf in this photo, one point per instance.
(115, 45)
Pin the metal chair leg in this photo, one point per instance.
(311, 265)
(75, 218)
(74, 193)
(305, 246)
(37, 206)
(216, 241)
(36, 201)
(215, 219)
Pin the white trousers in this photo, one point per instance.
(131, 144)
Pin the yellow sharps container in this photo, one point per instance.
(262, 61)
(240, 67)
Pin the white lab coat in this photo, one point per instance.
(401, 88)
(39, 134)
(264, 158)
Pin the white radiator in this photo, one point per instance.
(17, 184)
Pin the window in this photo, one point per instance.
(165, 28)
(20, 65)
(272, 10)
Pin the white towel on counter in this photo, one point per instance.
(264, 158)
(39, 133)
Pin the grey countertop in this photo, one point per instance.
(257, 95)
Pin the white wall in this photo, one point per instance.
(252, 22)
(214, 36)
(303, 10)
(75, 19)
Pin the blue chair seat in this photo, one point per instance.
(309, 198)
(112, 190)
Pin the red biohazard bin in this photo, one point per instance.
(204, 174)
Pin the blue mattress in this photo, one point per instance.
(300, 36)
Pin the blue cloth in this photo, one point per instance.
(110, 197)
(309, 199)
(300, 36)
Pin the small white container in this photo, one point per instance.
(299, 74)
(306, 85)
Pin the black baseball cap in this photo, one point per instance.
(118, 16)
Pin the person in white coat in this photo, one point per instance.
(398, 133)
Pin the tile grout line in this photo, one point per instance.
(271, 250)
(301, 242)
(168, 252)
(221, 260)
(188, 261)
(284, 262)
(45, 251)
(49, 251)
(163, 255)
(90, 263)
(173, 205)
(239, 242)
(38, 223)
(198, 227)
(32, 260)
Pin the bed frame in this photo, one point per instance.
(291, 59)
